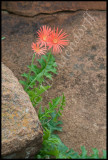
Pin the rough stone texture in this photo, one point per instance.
(31, 8)
(21, 130)
(82, 76)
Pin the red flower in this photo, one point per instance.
(39, 50)
(43, 35)
(56, 40)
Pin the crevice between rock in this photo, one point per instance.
(57, 12)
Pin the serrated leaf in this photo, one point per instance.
(35, 93)
(25, 75)
(84, 152)
(104, 154)
(48, 66)
(47, 133)
(48, 75)
(95, 153)
(42, 62)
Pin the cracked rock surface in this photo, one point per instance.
(30, 8)
(81, 70)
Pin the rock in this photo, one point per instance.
(31, 8)
(81, 70)
(21, 129)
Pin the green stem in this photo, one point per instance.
(48, 59)
(30, 70)
(40, 73)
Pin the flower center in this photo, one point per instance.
(37, 50)
(55, 40)
(44, 38)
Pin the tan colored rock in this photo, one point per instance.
(21, 129)
(30, 8)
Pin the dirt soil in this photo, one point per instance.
(81, 70)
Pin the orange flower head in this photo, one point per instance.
(38, 49)
(57, 41)
(43, 35)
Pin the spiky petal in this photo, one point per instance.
(57, 40)
(43, 35)
(38, 49)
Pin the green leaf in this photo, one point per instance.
(3, 38)
(104, 154)
(46, 134)
(84, 152)
(47, 67)
(95, 153)
(35, 94)
(24, 75)
(42, 62)
(23, 82)
(48, 75)
(34, 69)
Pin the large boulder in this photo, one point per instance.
(21, 129)
(30, 8)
